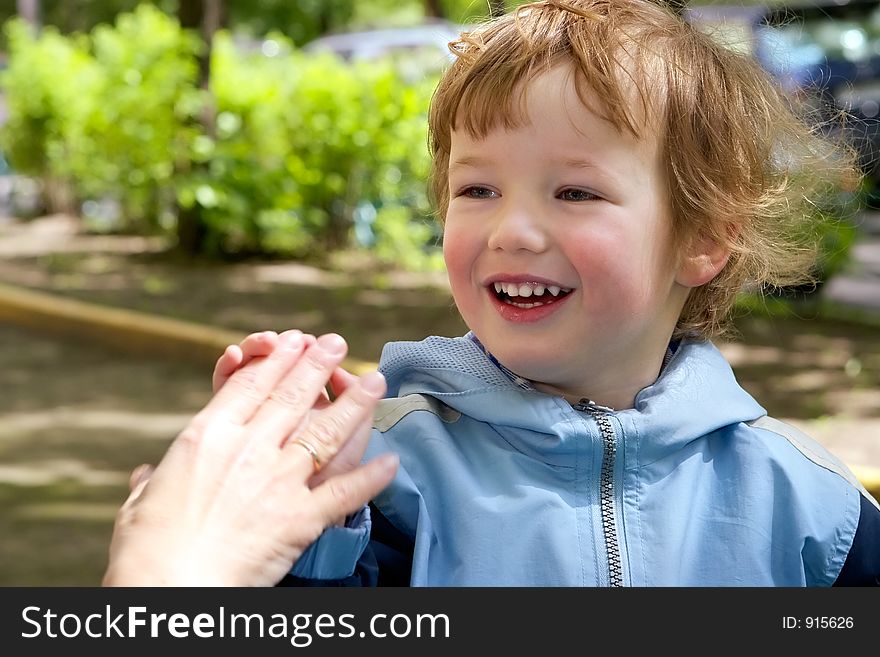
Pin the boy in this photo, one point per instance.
(608, 179)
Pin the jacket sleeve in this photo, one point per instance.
(369, 551)
(862, 565)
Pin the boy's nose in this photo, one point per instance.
(517, 228)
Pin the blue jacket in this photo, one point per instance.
(502, 485)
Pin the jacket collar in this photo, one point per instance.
(695, 394)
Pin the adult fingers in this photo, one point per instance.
(328, 432)
(291, 399)
(348, 456)
(341, 380)
(346, 493)
(351, 452)
(249, 387)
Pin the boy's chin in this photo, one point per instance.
(534, 367)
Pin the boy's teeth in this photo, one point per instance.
(528, 289)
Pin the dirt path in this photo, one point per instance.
(75, 416)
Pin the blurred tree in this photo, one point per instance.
(29, 10)
(300, 21)
(434, 9)
(205, 17)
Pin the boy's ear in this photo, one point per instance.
(703, 261)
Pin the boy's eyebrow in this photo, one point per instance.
(569, 163)
(578, 163)
(468, 161)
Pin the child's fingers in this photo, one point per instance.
(253, 346)
(259, 344)
(230, 361)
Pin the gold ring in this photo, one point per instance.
(306, 445)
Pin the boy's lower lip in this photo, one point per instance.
(513, 313)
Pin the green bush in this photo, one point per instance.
(105, 114)
(303, 147)
(302, 142)
(49, 86)
(141, 124)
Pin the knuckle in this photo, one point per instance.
(341, 490)
(289, 396)
(329, 432)
(359, 401)
(318, 361)
(246, 383)
(191, 437)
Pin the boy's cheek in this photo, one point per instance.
(455, 257)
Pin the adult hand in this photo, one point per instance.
(236, 500)
(263, 343)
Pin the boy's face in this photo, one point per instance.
(569, 218)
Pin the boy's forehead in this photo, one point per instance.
(565, 87)
(559, 133)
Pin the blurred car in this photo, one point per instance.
(418, 49)
(827, 51)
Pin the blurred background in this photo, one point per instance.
(174, 175)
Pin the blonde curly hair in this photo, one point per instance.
(744, 167)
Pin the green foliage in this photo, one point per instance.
(836, 234)
(309, 154)
(105, 113)
(301, 142)
(140, 125)
(48, 85)
(301, 21)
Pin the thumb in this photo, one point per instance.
(138, 479)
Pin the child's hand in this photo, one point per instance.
(237, 355)
(256, 345)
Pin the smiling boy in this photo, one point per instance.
(565, 202)
(608, 179)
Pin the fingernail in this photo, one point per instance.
(141, 474)
(291, 338)
(373, 383)
(389, 461)
(332, 343)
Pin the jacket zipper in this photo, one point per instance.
(601, 414)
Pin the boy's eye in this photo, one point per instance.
(477, 192)
(575, 194)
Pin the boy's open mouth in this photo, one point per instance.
(528, 295)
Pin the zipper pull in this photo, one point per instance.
(589, 406)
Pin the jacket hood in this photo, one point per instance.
(695, 394)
